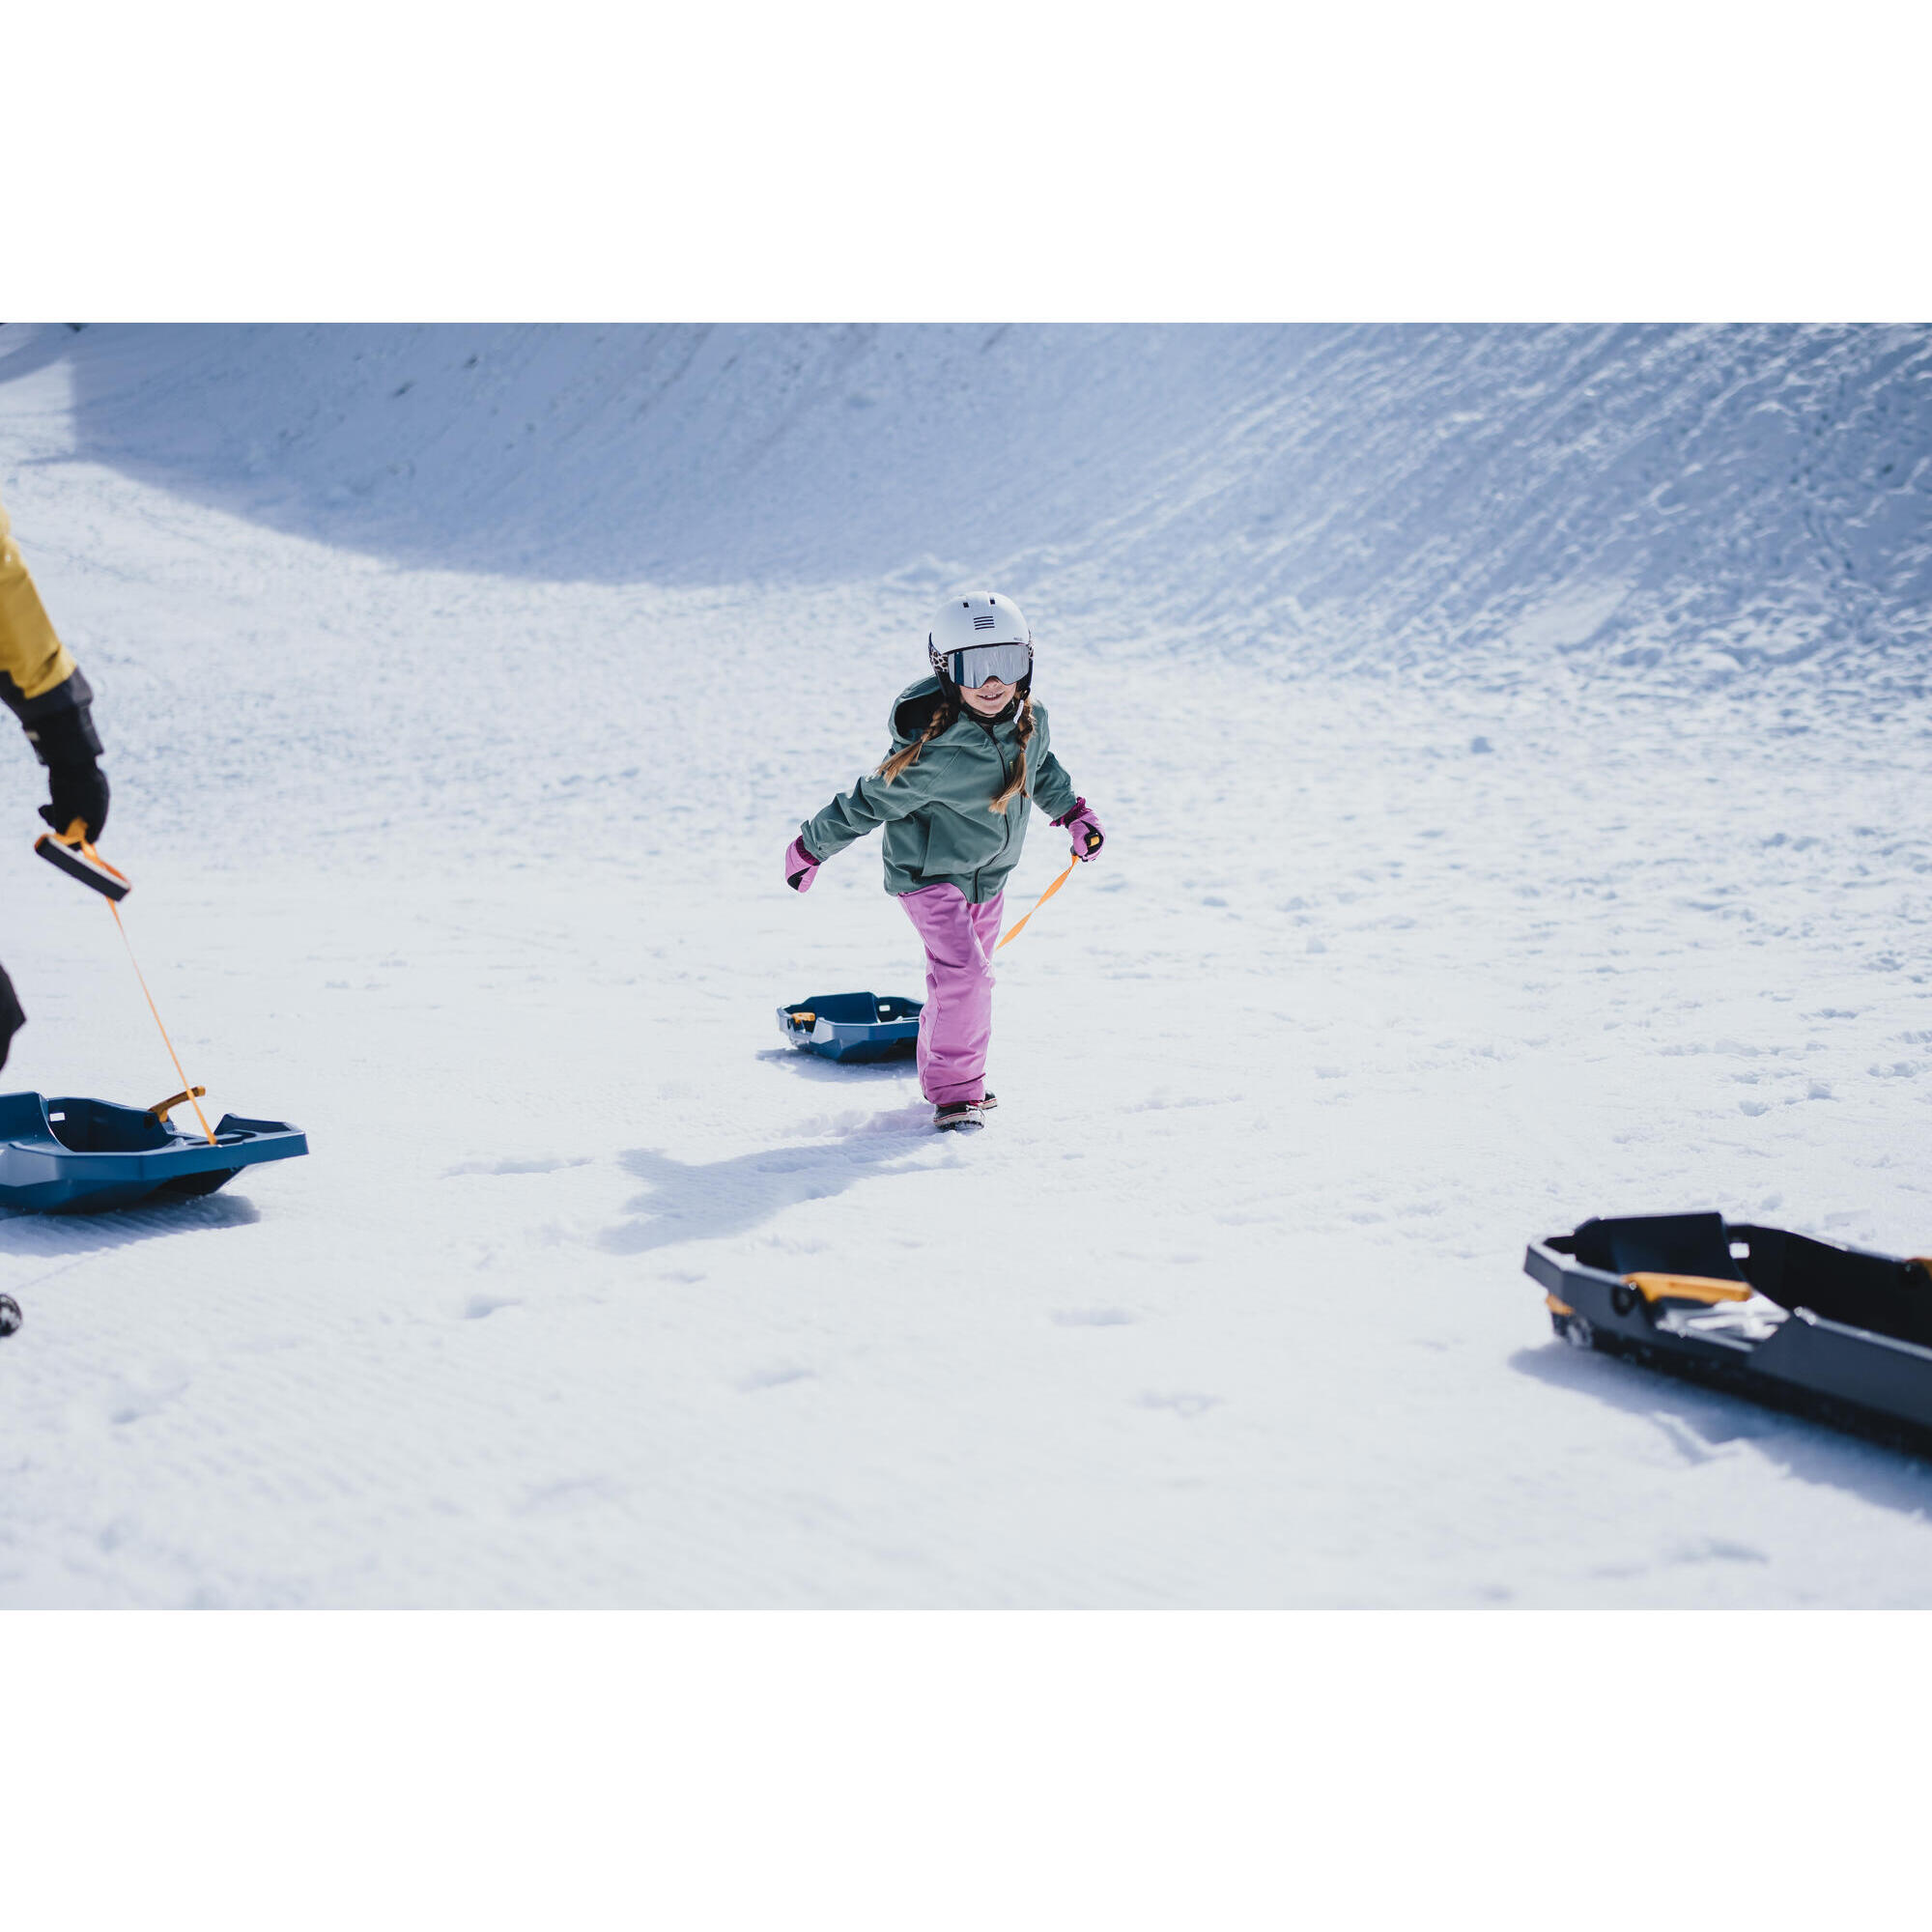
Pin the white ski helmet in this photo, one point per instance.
(963, 628)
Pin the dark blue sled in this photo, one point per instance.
(852, 1025)
(75, 1156)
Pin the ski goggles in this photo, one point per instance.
(976, 663)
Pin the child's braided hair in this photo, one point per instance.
(1023, 725)
(943, 714)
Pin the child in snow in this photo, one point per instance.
(970, 751)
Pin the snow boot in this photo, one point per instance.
(957, 1113)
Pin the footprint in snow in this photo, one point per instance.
(766, 1379)
(135, 1402)
(1715, 1549)
(1185, 1403)
(514, 1166)
(570, 1492)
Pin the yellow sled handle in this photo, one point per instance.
(160, 1111)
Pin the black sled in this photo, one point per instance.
(1833, 1334)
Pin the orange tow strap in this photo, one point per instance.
(1015, 931)
(191, 1090)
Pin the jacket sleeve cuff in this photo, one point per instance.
(819, 842)
(71, 692)
(59, 722)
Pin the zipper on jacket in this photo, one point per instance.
(1006, 779)
(991, 730)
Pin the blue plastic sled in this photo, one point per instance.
(75, 1156)
(852, 1025)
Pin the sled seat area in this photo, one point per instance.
(1880, 1293)
(1694, 1246)
(853, 1010)
(99, 1126)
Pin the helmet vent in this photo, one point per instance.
(983, 623)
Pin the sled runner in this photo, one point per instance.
(853, 1026)
(1832, 1332)
(76, 1157)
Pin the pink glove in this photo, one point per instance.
(800, 867)
(1083, 828)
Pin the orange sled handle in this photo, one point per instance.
(1020, 925)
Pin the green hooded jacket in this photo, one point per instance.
(938, 828)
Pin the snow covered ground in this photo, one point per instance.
(1514, 812)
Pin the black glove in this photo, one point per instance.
(78, 791)
(65, 742)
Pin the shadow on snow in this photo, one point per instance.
(714, 1200)
(845, 1073)
(1703, 1423)
(56, 1234)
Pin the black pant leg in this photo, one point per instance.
(12, 1018)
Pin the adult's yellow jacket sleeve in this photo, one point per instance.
(33, 660)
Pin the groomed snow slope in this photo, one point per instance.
(1510, 747)
(1459, 500)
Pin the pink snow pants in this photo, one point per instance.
(956, 1026)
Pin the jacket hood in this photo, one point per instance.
(914, 706)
